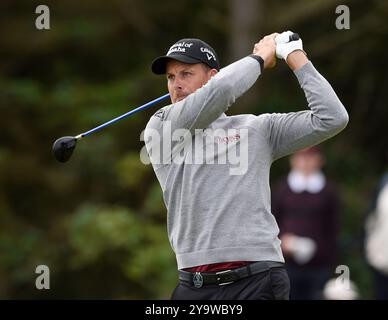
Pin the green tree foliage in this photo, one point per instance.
(99, 221)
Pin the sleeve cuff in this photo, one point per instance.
(259, 59)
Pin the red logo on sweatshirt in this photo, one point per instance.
(228, 139)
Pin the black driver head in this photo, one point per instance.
(63, 148)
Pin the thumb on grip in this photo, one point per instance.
(286, 37)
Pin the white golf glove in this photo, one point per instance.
(284, 46)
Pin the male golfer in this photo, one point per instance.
(220, 224)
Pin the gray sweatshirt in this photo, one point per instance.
(215, 214)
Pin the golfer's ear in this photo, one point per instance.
(213, 72)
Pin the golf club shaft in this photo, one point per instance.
(144, 106)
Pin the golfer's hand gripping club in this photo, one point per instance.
(267, 46)
(287, 42)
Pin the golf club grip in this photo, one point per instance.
(294, 37)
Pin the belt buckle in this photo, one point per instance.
(219, 278)
(198, 280)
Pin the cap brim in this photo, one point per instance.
(159, 64)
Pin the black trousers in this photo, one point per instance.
(273, 284)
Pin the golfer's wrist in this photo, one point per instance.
(297, 59)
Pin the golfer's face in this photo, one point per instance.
(184, 79)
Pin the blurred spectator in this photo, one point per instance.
(305, 205)
(377, 239)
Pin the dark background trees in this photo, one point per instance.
(98, 221)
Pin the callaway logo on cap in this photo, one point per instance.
(187, 51)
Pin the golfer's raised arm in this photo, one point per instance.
(205, 105)
(214, 95)
(296, 130)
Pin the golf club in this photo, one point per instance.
(63, 147)
(294, 37)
